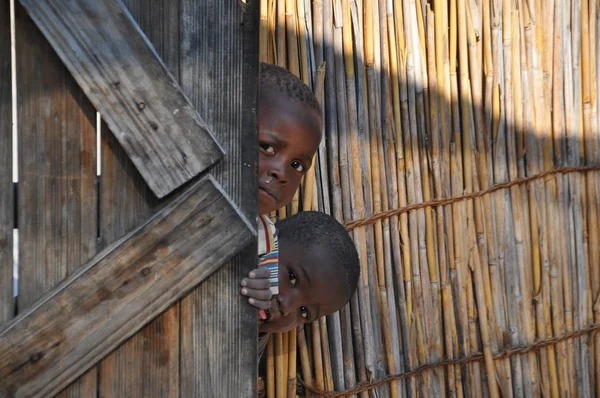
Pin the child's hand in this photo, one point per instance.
(257, 288)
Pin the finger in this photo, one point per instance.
(257, 294)
(260, 284)
(258, 273)
(261, 304)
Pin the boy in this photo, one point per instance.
(318, 273)
(289, 133)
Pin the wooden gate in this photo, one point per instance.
(128, 278)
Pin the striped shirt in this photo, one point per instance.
(268, 250)
(268, 256)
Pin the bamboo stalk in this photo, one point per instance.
(457, 269)
(334, 55)
(304, 44)
(355, 174)
(280, 34)
(263, 40)
(368, 106)
(291, 29)
(559, 317)
(343, 55)
(376, 264)
(401, 122)
(271, 367)
(385, 149)
(271, 23)
(280, 367)
(304, 357)
(291, 380)
(481, 146)
(358, 166)
(328, 376)
(441, 168)
(319, 381)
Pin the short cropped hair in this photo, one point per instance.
(316, 230)
(274, 79)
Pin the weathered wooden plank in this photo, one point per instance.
(112, 296)
(128, 83)
(219, 72)
(126, 202)
(85, 386)
(57, 167)
(6, 191)
(148, 363)
(57, 158)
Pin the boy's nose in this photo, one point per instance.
(278, 171)
(284, 305)
(278, 175)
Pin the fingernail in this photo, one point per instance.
(243, 283)
(252, 275)
(262, 314)
(244, 291)
(251, 301)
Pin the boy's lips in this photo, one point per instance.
(266, 192)
(264, 316)
(270, 312)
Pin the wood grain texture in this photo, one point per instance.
(111, 297)
(219, 72)
(148, 363)
(128, 83)
(125, 203)
(6, 190)
(57, 173)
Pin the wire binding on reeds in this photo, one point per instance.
(350, 225)
(505, 353)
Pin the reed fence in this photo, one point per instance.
(461, 149)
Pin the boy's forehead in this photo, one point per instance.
(277, 100)
(290, 122)
(316, 263)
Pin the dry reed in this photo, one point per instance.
(464, 128)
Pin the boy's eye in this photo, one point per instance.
(304, 312)
(270, 149)
(299, 167)
(293, 279)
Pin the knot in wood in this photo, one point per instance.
(141, 106)
(145, 271)
(36, 357)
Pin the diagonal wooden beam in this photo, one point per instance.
(118, 69)
(117, 292)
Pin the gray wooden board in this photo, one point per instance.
(57, 167)
(128, 83)
(57, 158)
(219, 72)
(108, 299)
(6, 189)
(125, 203)
(147, 364)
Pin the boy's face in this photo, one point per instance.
(289, 133)
(308, 288)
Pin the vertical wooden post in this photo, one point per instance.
(219, 72)
(57, 173)
(6, 190)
